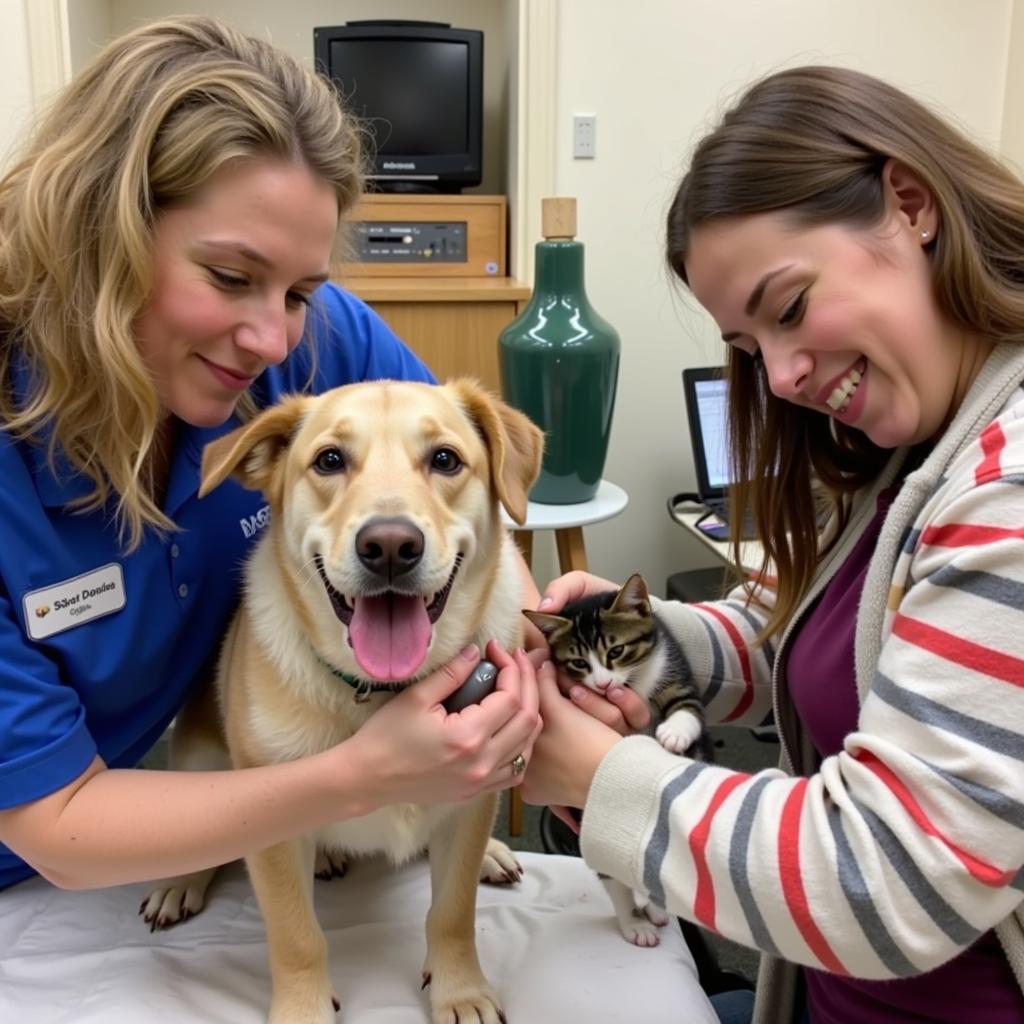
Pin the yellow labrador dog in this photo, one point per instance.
(385, 555)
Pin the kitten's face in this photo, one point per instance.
(603, 640)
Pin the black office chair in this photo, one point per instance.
(557, 837)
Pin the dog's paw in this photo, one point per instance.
(309, 1009)
(499, 866)
(640, 932)
(470, 1003)
(175, 899)
(330, 864)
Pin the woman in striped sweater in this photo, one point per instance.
(865, 264)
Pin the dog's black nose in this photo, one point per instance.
(389, 547)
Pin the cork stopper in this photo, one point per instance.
(558, 218)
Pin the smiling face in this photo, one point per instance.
(844, 319)
(384, 512)
(233, 271)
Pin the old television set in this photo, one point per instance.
(418, 88)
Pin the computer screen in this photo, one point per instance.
(713, 416)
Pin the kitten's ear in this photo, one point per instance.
(633, 596)
(548, 624)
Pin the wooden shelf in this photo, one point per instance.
(451, 323)
(435, 289)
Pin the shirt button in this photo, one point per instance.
(183, 590)
(175, 551)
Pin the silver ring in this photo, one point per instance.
(518, 764)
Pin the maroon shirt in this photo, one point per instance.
(976, 987)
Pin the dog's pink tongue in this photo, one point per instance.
(390, 635)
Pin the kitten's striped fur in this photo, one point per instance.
(616, 638)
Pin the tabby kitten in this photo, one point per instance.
(617, 638)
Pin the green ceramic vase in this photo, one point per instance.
(560, 366)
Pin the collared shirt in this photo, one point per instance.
(98, 648)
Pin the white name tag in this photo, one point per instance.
(80, 599)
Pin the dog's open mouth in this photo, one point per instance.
(389, 632)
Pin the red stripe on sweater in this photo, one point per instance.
(956, 649)
(992, 441)
(981, 871)
(793, 884)
(747, 697)
(967, 535)
(704, 898)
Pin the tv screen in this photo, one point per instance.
(418, 87)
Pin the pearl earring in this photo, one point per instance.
(925, 234)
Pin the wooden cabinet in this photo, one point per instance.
(452, 324)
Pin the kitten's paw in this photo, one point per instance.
(499, 866)
(641, 933)
(330, 864)
(679, 732)
(175, 899)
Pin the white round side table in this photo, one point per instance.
(568, 521)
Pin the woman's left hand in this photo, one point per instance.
(567, 751)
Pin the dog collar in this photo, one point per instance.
(364, 688)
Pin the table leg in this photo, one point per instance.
(571, 552)
(515, 812)
(524, 541)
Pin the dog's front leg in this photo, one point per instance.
(283, 879)
(458, 989)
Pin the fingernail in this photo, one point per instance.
(521, 650)
(547, 666)
(546, 602)
(614, 693)
(577, 693)
(471, 652)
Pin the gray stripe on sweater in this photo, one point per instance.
(717, 662)
(657, 845)
(858, 895)
(931, 713)
(944, 916)
(738, 849)
(987, 585)
(996, 802)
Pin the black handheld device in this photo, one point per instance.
(481, 682)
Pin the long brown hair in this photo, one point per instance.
(813, 142)
(140, 129)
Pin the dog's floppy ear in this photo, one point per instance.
(251, 452)
(515, 445)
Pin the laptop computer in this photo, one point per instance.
(705, 391)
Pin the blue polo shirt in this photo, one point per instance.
(98, 649)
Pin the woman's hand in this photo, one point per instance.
(413, 751)
(571, 587)
(568, 750)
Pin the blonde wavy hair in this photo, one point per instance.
(813, 143)
(139, 130)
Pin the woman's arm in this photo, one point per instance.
(109, 826)
(902, 849)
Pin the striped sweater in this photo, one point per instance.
(892, 856)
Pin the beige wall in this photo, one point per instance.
(16, 94)
(655, 80)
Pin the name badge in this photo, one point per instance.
(78, 600)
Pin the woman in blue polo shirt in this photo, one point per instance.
(164, 245)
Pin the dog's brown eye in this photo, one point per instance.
(330, 460)
(444, 460)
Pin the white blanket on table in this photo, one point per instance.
(550, 947)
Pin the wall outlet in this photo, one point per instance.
(583, 129)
